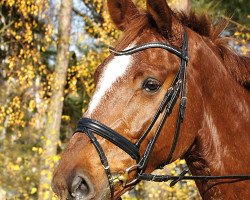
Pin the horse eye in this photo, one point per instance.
(151, 85)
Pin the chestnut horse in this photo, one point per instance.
(131, 85)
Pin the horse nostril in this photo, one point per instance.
(81, 188)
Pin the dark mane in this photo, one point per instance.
(238, 66)
(202, 24)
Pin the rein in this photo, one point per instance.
(176, 90)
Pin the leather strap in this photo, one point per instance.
(176, 179)
(103, 159)
(109, 134)
(150, 45)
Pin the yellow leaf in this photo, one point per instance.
(40, 150)
(33, 190)
(182, 162)
(16, 168)
(34, 148)
(48, 142)
(237, 33)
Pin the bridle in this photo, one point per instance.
(176, 90)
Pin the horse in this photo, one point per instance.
(167, 65)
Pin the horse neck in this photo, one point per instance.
(222, 144)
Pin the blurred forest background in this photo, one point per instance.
(46, 82)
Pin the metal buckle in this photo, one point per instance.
(124, 177)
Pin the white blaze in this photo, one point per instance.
(114, 70)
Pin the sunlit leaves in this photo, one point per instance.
(23, 100)
(243, 38)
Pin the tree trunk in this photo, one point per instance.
(182, 5)
(52, 129)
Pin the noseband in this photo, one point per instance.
(176, 90)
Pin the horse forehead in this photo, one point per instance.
(114, 70)
(117, 68)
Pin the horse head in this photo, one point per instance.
(134, 122)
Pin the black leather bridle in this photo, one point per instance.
(176, 90)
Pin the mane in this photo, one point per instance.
(237, 66)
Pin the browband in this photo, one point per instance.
(150, 45)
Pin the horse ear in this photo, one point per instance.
(122, 12)
(162, 15)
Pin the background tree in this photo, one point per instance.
(52, 129)
(24, 38)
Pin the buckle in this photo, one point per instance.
(124, 177)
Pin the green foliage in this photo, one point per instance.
(239, 10)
